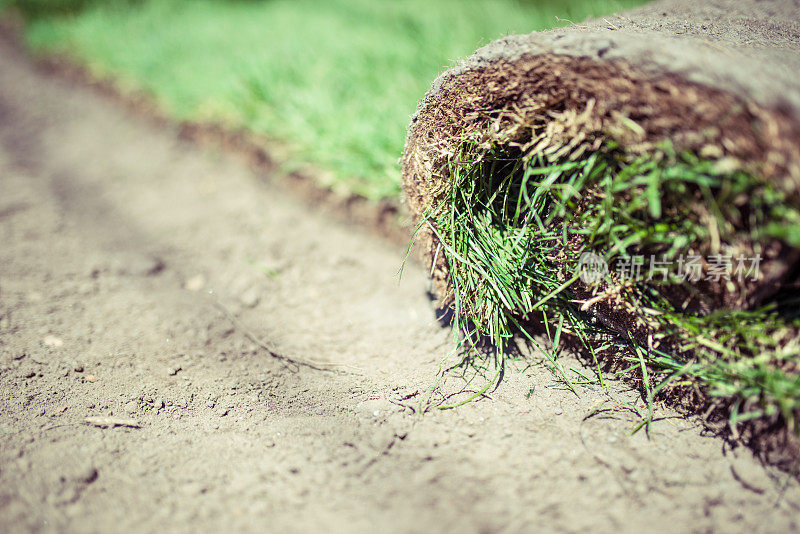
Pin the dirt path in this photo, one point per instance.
(104, 223)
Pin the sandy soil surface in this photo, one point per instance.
(117, 243)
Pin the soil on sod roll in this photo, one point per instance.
(665, 133)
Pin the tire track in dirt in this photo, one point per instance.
(104, 222)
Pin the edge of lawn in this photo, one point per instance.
(386, 218)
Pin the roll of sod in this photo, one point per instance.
(631, 184)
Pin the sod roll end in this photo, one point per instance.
(670, 133)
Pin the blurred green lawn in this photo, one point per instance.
(335, 80)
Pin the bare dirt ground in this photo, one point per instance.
(116, 242)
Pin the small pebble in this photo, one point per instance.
(195, 283)
(250, 298)
(52, 341)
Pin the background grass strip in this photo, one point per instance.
(335, 80)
